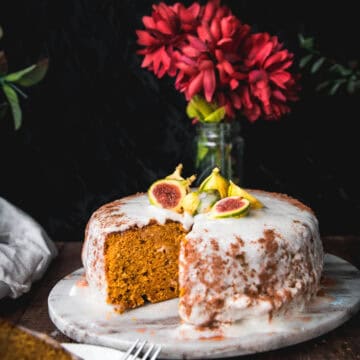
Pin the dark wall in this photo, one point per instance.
(100, 127)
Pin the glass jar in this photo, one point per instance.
(219, 144)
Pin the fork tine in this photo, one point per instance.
(141, 346)
(148, 352)
(132, 347)
(156, 353)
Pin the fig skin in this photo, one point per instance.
(167, 194)
(190, 203)
(230, 207)
(215, 181)
(176, 175)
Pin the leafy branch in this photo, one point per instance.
(336, 76)
(11, 84)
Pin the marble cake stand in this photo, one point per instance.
(80, 316)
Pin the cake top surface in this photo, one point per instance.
(281, 213)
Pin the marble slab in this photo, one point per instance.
(79, 315)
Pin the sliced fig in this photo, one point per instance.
(232, 206)
(167, 194)
(215, 182)
(235, 190)
(190, 202)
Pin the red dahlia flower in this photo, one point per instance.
(164, 31)
(205, 61)
(213, 55)
(269, 84)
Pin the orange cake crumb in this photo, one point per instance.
(142, 265)
(18, 343)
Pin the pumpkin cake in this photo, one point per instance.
(19, 343)
(264, 260)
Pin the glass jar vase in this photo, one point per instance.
(219, 144)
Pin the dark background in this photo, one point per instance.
(99, 127)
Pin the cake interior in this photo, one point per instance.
(142, 264)
(16, 344)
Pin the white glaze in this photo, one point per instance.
(295, 233)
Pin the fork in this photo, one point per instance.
(135, 349)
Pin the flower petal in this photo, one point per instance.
(210, 9)
(190, 51)
(197, 43)
(187, 69)
(233, 84)
(280, 78)
(236, 100)
(145, 39)
(164, 27)
(246, 101)
(263, 53)
(209, 84)
(276, 58)
(215, 29)
(254, 113)
(191, 13)
(206, 65)
(277, 94)
(204, 33)
(228, 26)
(195, 85)
(164, 11)
(148, 22)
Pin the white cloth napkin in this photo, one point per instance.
(25, 250)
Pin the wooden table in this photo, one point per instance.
(31, 310)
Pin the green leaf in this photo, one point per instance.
(301, 38)
(202, 151)
(317, 65)
(13, 77)
(305, 60)
(306, 43)
(192, 112)
(36, 75)
(203, 106)
(336, 86)
(340, 69)
(216, 116)
(13, 100)
(323, 85)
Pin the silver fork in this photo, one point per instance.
(135, 349)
